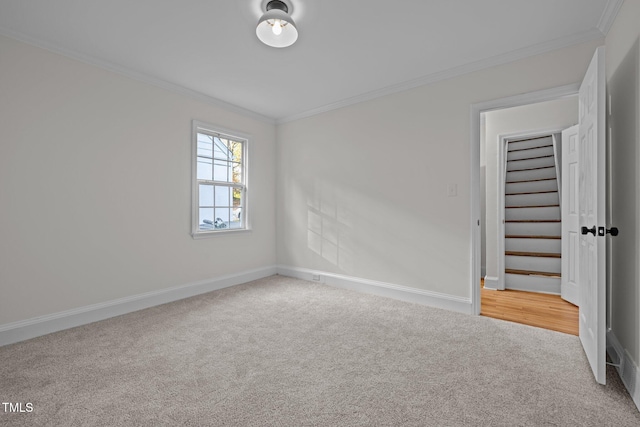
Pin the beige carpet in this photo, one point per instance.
(284, 352)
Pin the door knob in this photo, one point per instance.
(586, 230)
(613, 231)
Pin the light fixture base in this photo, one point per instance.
(277, 4)
(264, 4)
(276, 28)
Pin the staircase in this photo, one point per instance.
(532, 217)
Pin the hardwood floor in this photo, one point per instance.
(530, 308)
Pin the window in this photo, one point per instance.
(219, 181)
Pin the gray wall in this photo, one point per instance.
(95, 187)
(623, 74)
(340, 211)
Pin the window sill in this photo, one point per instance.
(208, 234)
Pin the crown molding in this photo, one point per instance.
(135, 75)
(609, 15)
(587, 36)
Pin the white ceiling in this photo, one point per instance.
(348, 50)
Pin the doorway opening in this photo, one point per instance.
(518, 227)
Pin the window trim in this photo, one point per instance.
(215, 130)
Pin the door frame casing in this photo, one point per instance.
(475, 113)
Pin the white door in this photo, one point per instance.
(570, 217)
(591, 206)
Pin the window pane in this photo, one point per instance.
(236, 151)
(206, 220)
(205, 145)
(204, 170)
(221, 170)
(223, 196)
(237, 197)
(236, 218)
(237, 207)
(206, 195)
(236, 172)
(220, 149)
(222, 218)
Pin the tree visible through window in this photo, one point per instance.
(220, 181)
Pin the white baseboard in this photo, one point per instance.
(627, 369)
(403, 293)
(491, 282)
(42, 325)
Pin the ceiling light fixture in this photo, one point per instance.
(276, 27)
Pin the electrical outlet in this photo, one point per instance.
(316, 277)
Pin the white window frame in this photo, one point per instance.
(214, 130)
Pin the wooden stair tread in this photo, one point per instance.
(513, 141)
(513, 150)
(531, 180)
(534, 254)
(531, 158)
(531, 169)
(532, 206)
(531, 273)
(532, 220)
(532, 192)
(519, 236)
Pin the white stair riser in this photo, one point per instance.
(533, 228)
(550, 285)
(532, 199)
(528, 144)
(532, 213)
(531, 163)
(533, 245)
(527, 187)
(526, 154)
(529, 175)
(549, 265)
